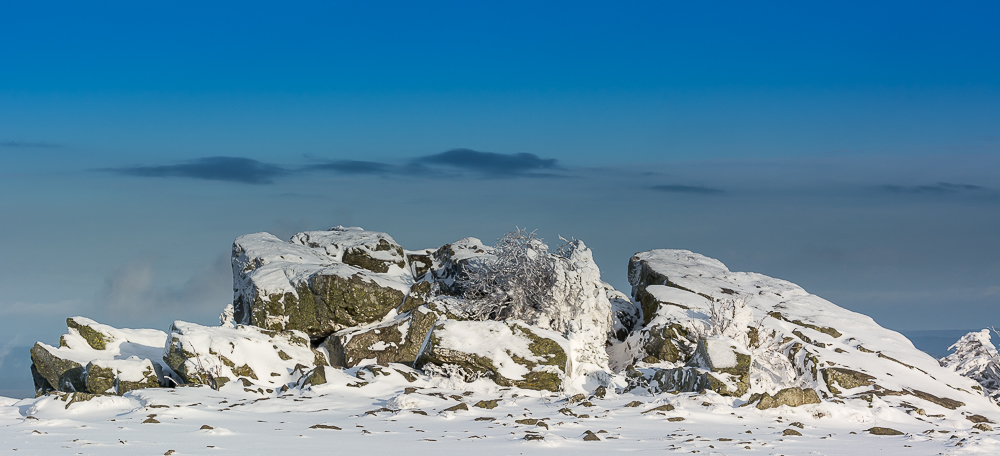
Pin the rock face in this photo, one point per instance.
(398, 341)
(510, 354)
(792, 397)
(798, 347)
(320, 282)
(99, 359)
(215, 356)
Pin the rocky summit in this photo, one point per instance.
(353, 308)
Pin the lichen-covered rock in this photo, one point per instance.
(397, 341)
(58, 371)
(846, 379)
(370, 250)
(319, 282)
(119, 376)
(217, 355)
(794, 339)
(511, 354)
(670, 342)
(792, 397)
(81, 362)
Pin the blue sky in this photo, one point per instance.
(848, 147)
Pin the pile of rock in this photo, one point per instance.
(348, 298)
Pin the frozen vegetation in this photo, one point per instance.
(335, 338)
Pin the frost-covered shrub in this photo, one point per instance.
(514, 283)
(974, 356)
(559, 291)
(770, 367)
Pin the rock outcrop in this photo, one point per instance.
(347, 307)
(510, 354)
(259, 358)
(320, 282)
(99, 359)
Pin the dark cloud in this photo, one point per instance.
(356, 167)
(230, 169)
(26, 145)
(939, 188)
(493, 164)
(673, 188)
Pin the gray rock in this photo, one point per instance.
(399, 341)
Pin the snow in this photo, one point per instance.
(382, 415)
(125, 351)
(975, 357)
(720, 350)
(492, 340)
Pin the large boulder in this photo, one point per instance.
(217, 355)
(798, 344)
(717, 364)
(792, 397)
(397, 341)
(99, 359)
(119, 376)
(510, 354)
(319, 282)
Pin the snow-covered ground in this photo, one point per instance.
(391, 413)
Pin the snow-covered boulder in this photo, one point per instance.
(974, 356)
(396, 341)
(718, 364)
(794, 339)
(217, 355)
(100, 359)
(510, 354)
(119, 376)
(447, 264)
(319, 282)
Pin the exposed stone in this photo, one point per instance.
(589, 436)
(60, 373)
(668, 343)
(982, 427)
(399, 341)
(736, 365)
(883, 431)
(455, 408)
(489, 405)
(94, 337)
(978, 419)
(377, 257)
(662, 408)
(314, 377)
(546, 369)
(319, 282)
(792, 397)
(204, 355)
(942, 401)
(846, 378)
